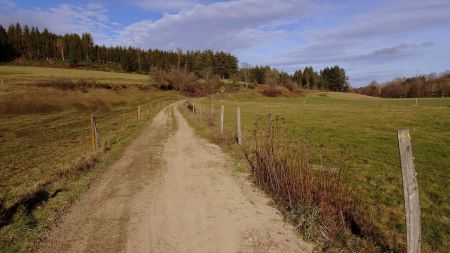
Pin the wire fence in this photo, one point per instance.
(38, 146)
(392, 213)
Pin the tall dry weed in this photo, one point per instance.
(307, 181)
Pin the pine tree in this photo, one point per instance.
(87, 45)
(5, 47)
(298, 75)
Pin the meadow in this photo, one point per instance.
(366, 127)
(22, 75)
(46, 155)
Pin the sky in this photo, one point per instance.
(372, 40)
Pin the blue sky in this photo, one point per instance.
(372, 40)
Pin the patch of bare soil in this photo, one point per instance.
(190, 201)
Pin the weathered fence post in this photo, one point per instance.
(212, 107)
(222, 109)
(417, 100)
(139, 112)
(95, 142)
(270, 135)
(238, 119)
(411, 193)
(193, 109)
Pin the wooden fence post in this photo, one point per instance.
(212, 107)
(411, 193)
(139, 112)
(95, 142)
(270, 135)
(238, 118)
(193, 109)
(222, 110)
(417, 100)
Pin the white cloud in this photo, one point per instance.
(165, 5)
(352, 43)
(65, 18)
(229, 26)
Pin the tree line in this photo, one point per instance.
(25, 45)
(32, 45)
(329, 78)
(432, 85)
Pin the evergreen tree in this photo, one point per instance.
(5, 47)
(335, 78)
(87, 45)
(298, 76)
(74, 50)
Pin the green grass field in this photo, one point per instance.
(44, 132)
(20, 75)
(368, 128)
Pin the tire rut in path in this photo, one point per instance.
(193, 203)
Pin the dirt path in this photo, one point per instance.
(187, 202)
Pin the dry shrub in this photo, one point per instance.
(83, 164)
(47, 101)
(145, 87)
(291, 85)
(180, 79)
(65, 84)
(278, 91)
(271, 92)
(186, 82)
(308, 183)
(203, 87)
(227, 138)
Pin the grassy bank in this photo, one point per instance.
(367, 127)
(21, 75)
(46, 157)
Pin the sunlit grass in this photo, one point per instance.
(368, 128)
(45, 131)
(20, 74)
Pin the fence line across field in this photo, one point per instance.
(209, 116)
(94, 134)
(409, 175)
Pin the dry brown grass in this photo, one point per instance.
(308, 184)
(45, 97)
(45, 148)
(278, 91)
